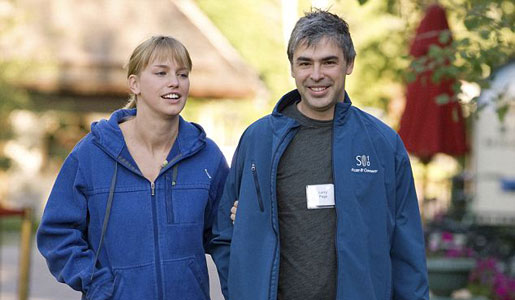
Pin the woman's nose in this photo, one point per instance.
(173, 81)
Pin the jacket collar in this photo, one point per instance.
(340, 112)
(108, 135)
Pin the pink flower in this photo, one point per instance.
(447, 236)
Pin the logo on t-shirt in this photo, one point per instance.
(363, 165)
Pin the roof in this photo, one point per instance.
(80, 47)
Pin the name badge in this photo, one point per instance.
(320, 196)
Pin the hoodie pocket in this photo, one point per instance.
(253, 169)
(116, 287)
(185, 201)
(185, 280)
(135, 283)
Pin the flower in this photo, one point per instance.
(488, 280)
(448, 244)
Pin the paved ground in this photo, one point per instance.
(43, 286)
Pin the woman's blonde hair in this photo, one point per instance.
(156, 48)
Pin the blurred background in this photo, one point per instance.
(442, 73)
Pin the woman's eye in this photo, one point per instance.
(162, 73)
(183, 75)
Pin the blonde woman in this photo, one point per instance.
(131, 211)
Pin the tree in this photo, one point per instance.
(11, 98)
(483, 40)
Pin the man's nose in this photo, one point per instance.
(317, 74)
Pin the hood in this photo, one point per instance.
(108, 135)
(293, 96)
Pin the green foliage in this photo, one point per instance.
(11, 98)
(380, 41)
(483, 40)
(442, 99)
(254, 29)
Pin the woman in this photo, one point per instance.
(131, 211)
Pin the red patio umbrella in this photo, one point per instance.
(427, 127)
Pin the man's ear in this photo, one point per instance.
(350, 67)
(133, 82)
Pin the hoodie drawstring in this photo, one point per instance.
(106, 216)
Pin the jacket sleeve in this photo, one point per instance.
(408, 251)
(223, 226)
(61, 237)
(215, 194)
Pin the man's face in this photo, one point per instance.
(319, 72)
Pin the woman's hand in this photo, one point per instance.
(234, 208)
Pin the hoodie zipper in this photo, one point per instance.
(157, 254)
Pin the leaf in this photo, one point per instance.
(434, 51)
(442, 99)
(485, 34)
(471, 23)
(361, 2)
(465, 42)
(444, 37)
(501, 112)
(410, 77)
(456, 87)
(437, 75)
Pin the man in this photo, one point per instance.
(327, 206)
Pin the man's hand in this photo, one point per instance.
(234, 208)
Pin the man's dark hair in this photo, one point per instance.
(318, 24)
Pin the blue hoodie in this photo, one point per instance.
(379, 239)
(156, 234)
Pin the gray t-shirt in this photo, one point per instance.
(307, 267)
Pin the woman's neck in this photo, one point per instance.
(155, 134)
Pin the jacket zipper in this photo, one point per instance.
(274, 282)
(336, 212)
(157, 255)
(258, 189)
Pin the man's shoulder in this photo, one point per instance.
(381, 134)
(258, 127)
(374, 125)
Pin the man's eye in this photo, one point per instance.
(330, 62)
(304, 64)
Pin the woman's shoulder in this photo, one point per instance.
(85, 149)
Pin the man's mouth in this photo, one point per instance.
(318, 88)
(172, 96)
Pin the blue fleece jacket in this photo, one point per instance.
(157, 233)
(379, 239)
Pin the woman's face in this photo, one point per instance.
(162, 87)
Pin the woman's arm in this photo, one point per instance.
(61, 237)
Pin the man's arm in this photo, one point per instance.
(408, 251)
(223, 225)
